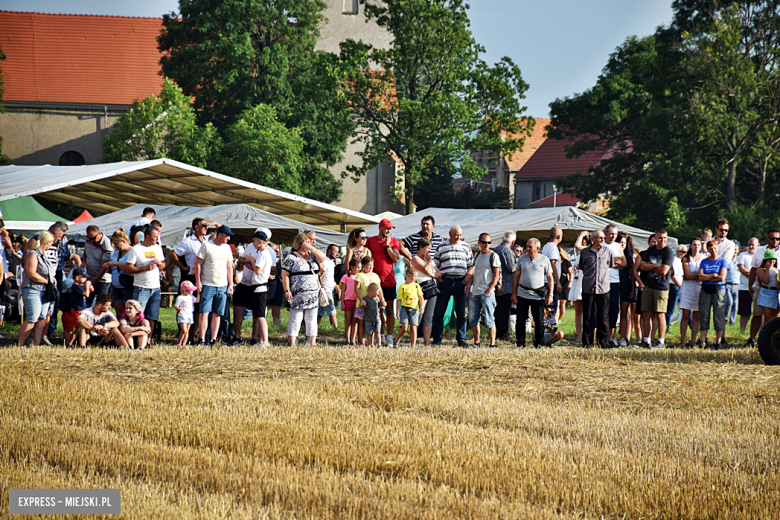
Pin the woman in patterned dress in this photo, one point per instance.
(301, 284)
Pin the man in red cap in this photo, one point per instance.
(386, 252)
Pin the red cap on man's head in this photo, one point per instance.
(385, 223)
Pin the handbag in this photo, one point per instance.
(710, 288)
(126, 280)
(542, 291)
(430, 289)
(52, 294)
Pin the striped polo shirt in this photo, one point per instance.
(410, 243)
(454, 260)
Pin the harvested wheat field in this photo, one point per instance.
(408, 433)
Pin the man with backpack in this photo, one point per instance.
(481, 289)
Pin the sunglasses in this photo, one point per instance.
(724, 229)
(773, 238)
(485, 242)
(363, 238)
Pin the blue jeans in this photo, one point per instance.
(100, 288)
(149, 300)
(34, 307)
(450, 288)
(479, 301)
(732, 300)
(674, 297)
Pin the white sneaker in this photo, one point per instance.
(389, 340)
(623, 342)
(382, 340)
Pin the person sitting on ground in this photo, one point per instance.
(551, 333)
(133, 326)
(98, 325)
(72, 301)
(371, 304)
(410, 304)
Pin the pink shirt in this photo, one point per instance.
(349, 287)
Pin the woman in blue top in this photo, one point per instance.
(712, 273)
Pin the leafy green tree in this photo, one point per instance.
(262, 150)
(429, 99)
(4, 159)
(163, 126)
(232, 55)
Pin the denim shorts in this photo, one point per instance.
(410, 316)
(121, 294)
(329, 309)
(213, 299)
(34, 308)
(372, 327)
(149, 300)
(479, 301)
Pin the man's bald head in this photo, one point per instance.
(456, 233)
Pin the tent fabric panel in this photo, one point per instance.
(27, 209)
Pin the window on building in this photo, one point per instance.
(350, 7)
(537, 191)
(72, 158)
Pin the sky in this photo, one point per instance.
(559, 45)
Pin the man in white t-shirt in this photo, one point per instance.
(744, 299)
(214, 280)
(97, 324)
(773, 242)
(252, 291)
(145, 262)
(550, 250)
(329, 284)
(726, 248)
(619, 261)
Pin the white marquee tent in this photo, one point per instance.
(526, 223)
(241, 218)
(104, 188)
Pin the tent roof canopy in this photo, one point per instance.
(241, 218)
(109, 187)
(527, 223)
(26, 213)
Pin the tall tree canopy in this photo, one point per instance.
(689, 116)
(232, 55)
(163, 126)
(430, 99)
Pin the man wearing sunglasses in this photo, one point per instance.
(726, 248)
(481, 289)
(97, 250)
(773, 243)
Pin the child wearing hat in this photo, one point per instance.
(185, 308)
(73, 300)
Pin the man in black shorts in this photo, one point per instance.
(252, 291)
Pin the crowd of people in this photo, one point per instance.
(513, 291)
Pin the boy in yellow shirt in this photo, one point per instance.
(362, 280)
(409, 307)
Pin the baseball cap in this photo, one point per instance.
(266, 231)
(187, 286)
(79, 271)
(225, 230)
(259, 234)
(385, 223)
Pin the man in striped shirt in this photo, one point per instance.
(455, 262)
(409, 244)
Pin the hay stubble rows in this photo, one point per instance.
(329, 432)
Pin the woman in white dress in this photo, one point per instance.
(689, 292)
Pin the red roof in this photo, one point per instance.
(562, 199)
(530, 146)
(65, 58)
(550, 162)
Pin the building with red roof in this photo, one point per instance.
(538, 178)
(68, 78)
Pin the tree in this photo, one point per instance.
(430, 99)
(163, 126)
(687, 117)
(4, 159)
(262, 150)
(232, 55)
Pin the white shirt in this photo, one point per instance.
(328, 283)
(614, 274)
(258, 259)
(744, 259)
(550, 250)
(726, 249)
(141, 256)
(213, 271)
(677, 269)
(188, 248)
